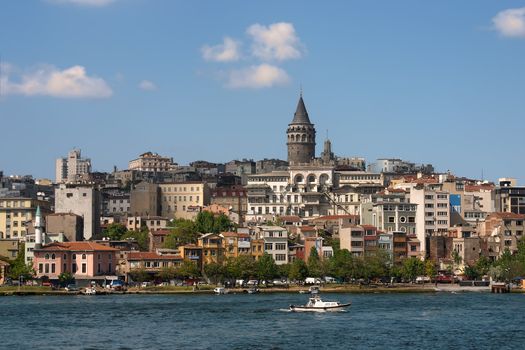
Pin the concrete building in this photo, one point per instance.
(389, 212)
(352, 238)
(83, 201)
(184, 200)
(509, 197)
(9, 248)
(433, 214)
(469, 249)
(151, 262)
(275, 242)
(68, 169)
(145, 199)
(116, 203)
(236, 244)
(153, 223)
(234, 198)
(153, 162)
(16, 213)
(69, 224)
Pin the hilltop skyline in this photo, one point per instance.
(433, 83)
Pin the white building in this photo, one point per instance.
(67, 169)
(275, 242)
(433, 213)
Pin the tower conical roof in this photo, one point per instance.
(301, 115)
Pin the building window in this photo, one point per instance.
(46, 267)
(53, 268)
(268, 246)
(84, 268)
(46, 256)
(64, 268)
(391, 219)
(280, 246)
(74, 268)
(74, 256)
(280, 257)
(83, 256)
(53, 256)
(40, 268)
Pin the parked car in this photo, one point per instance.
(312, 280)
(145, 284)
(72, 288)
(422, 279)
(252, 283)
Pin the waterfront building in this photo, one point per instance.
(85, 260)
(333, 223)
(212, 248)
(235, 244)
(193, 253)
(389, 211)
(501, 231)
(82, 200)
(70, 168)
(150, 262)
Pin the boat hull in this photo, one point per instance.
(303, 308)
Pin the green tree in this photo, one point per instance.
(204, 222)
(187, 269)
(482, 266)
(182, 232)
(19, 268)
(139, 275)
(65, 278)
(167, 273)
(266, 267)
(215, 271)
(115, 231)
(298, 270)
(141, 237)
(376, 264)
(412, 267)
(222, 224)
(315, 268)
(430, 269)
(342, 265)
(241, 267)
(284, 270)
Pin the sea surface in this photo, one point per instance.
(261, 321)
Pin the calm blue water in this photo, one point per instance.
(375, 321)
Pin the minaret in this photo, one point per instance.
(301, 136)
(38, 229)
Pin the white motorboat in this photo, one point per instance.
(315, 303)
(220, 290)
(90, 291)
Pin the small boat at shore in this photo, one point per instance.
(90, 291)
(316, 304)
(220, 290)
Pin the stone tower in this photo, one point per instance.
(301, 136)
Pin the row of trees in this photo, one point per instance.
(182, 231)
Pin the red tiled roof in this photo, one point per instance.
(505, 215)
(290, 218)
(336, 217)
(77, 246)
(477, 188)
(230, 234)
(307, 228)
(152, 256)
(161, 232)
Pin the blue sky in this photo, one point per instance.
(434, 82)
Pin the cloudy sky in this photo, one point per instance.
(431, 82)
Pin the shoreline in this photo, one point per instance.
(327, 289)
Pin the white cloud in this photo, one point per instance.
(94, 3)
(48, 80)
(225, 52)
(278, 41)
(510, 22)
(261, 76)
(147, 85)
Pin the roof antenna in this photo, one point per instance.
(301, 90)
